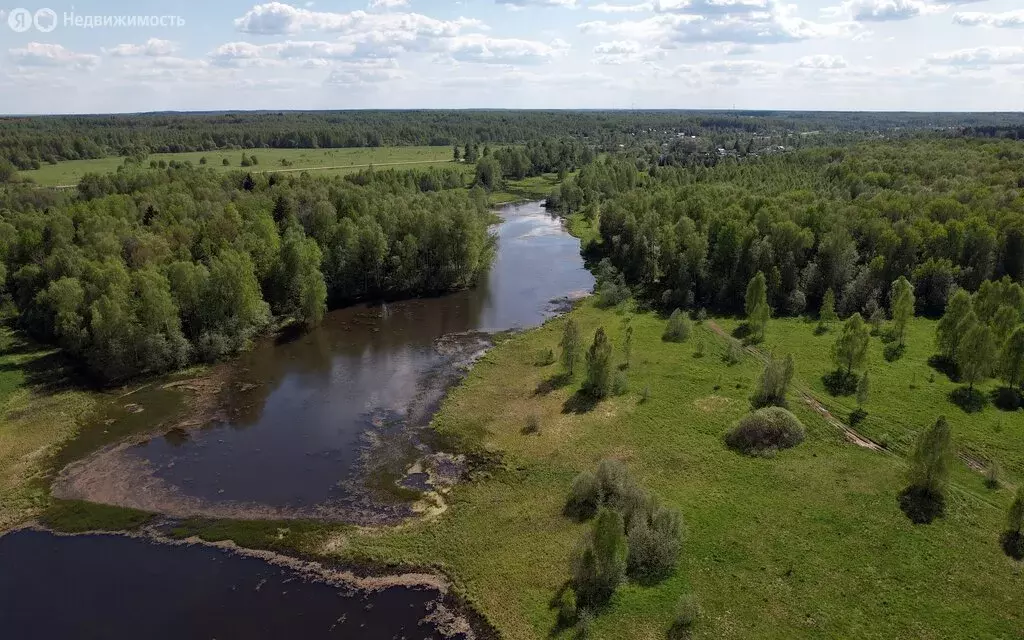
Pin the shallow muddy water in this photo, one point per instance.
(330, 424)
(113, 587)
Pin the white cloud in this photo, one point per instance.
(606, 7)
(979, 57)
(38, 54)
(276, 18)
(485, 49)
(884, 10)
(1006, 20)
(669, 29)
(522, 4)
(714, 7)
(364, 73)
(383, 4)
(625, 51)
(822, 61)
(152, 47)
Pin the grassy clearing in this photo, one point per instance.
(809, 543)
(533, 188)
(331, 161)
(73, 516)
(37, 414)
(906, 395)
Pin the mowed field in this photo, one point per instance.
(336, 161)
(810, 543)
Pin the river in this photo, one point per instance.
(331, 424)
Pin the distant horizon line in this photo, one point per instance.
(506, 109)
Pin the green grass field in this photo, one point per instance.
(810, 543)
(35, 420)
(331, 161)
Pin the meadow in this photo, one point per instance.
(328, 161)
(807, 543)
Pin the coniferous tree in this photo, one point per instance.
(901, 307)
(571, 346)
(599, 367)
(827, 313)
(756, 305)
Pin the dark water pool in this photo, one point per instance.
(111, 587)
(301, 417)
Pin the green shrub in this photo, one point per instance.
(678, 328)
(584, 497)
(566, 606)
(584, 625)
(993, 475)
(767, 429)
(773, 383)
(545, 357)
(620, 383)
(599, 564)
(733, 354)
(687, 615)
(654, 540)
(532, 425)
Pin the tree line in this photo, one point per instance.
(28, 142)
(943, 214)
(144, 271)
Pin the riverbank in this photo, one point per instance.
(809, 543)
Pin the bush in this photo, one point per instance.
(893, 351)
(687, 615)
(993, 473)
(773, 383)
(645, 395)
(764, 430)
(1006, 399)
(532, 425)
(698, 351)
(599, 564)
(584, 625)
(612, 294)
(545, 357)
(620, 383)
(970, 400)
(734, 354)
(857, 416)
(654, 541)
(678, 328)
(840, 383)
(585, 497)
(566, 606)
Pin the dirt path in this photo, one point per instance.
(849, 432)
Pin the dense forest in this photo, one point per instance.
(27, 142)
(942, 213)
(147, 271)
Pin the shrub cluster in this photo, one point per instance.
(766, 430)
(650, 534)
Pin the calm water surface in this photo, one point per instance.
(300, 416)
(108, 587)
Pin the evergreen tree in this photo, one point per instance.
(901, 307)
(931, 459)
(827, 313)
(863, 390)
(756, 305)
(599, 367)
(571, 346)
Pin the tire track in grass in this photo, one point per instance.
(851, 434)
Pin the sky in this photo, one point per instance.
(114, 56)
